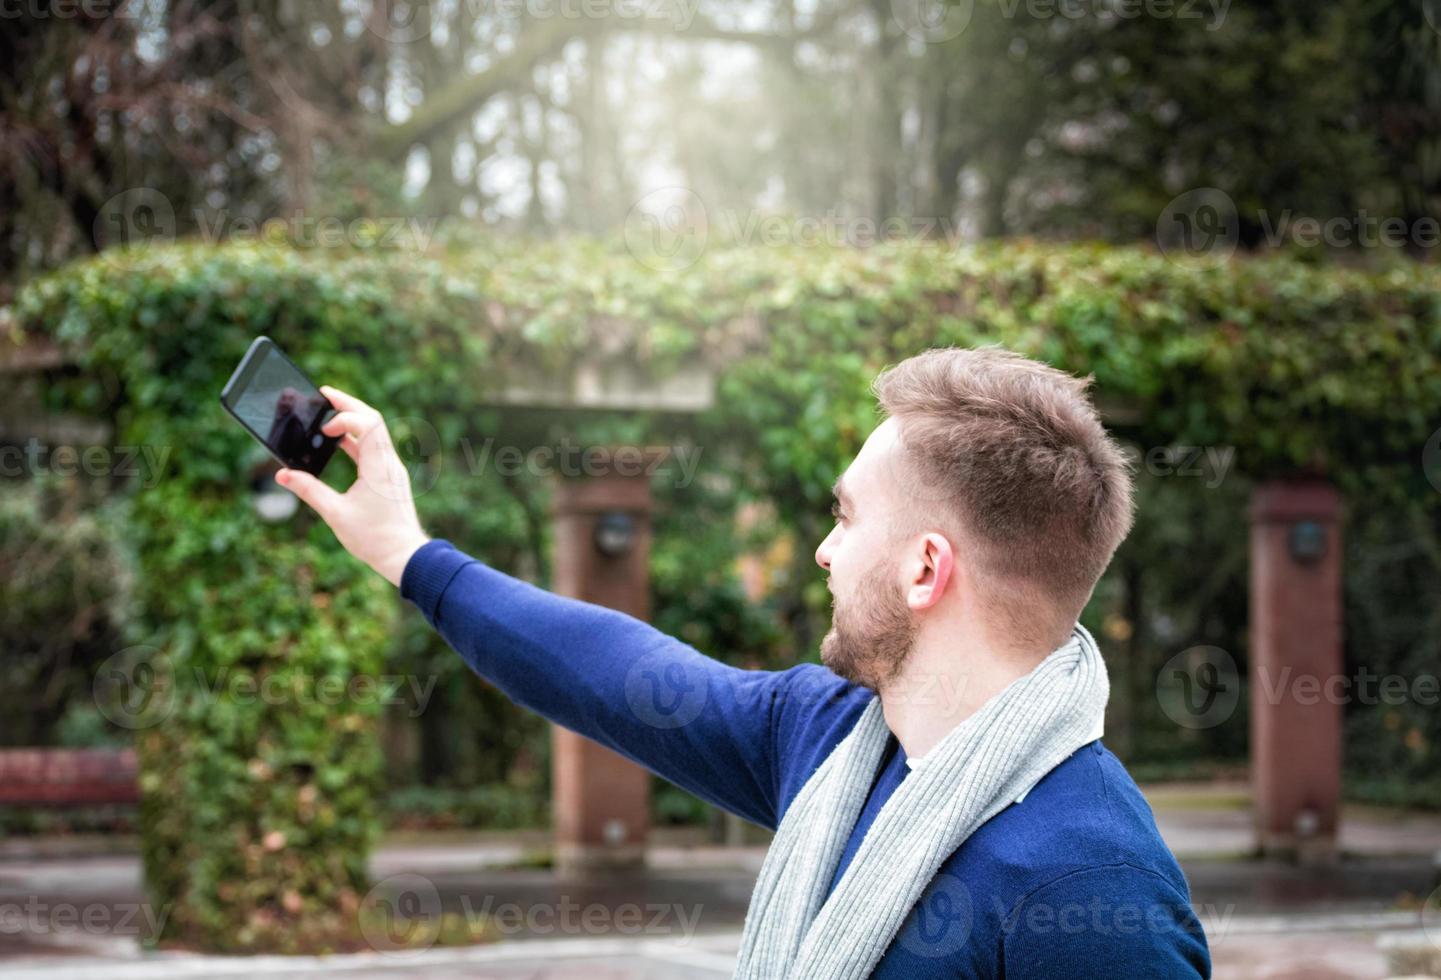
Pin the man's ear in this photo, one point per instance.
(932, 563)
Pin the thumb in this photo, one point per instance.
(324, 500)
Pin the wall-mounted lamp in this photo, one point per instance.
(1307, 542)
(614, 533)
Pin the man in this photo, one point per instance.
(943, 805)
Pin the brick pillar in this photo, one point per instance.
(1295, 657)
(600, 801)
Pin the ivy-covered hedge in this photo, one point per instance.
(259, 816)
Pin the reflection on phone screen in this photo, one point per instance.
(282, 407)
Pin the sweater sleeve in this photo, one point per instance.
(1117, 920)
(703, 725)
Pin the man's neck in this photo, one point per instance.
(951, 672)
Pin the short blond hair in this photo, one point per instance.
(1018, 452)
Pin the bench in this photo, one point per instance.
(68, 777)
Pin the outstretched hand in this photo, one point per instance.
(375, 520)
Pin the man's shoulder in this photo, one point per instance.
(1085, 814)
(1074, 880)
(813, 709)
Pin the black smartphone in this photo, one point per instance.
(281, 407)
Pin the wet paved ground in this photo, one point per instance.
(74, 915)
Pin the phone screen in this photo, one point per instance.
(281, 407)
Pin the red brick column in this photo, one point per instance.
(1295, 662)
(600, 801)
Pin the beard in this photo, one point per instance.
(872, 634)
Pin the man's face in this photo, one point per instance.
(872, 627)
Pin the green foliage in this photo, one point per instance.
(260, 785)
(63, 604)
(258, 817)
(497, 806)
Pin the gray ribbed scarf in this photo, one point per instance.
(794, 932)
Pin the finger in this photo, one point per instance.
(357, 424)
(351, 447)
(344, 402)
(324, 500)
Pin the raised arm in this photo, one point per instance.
(708, 727)
(703, 725)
